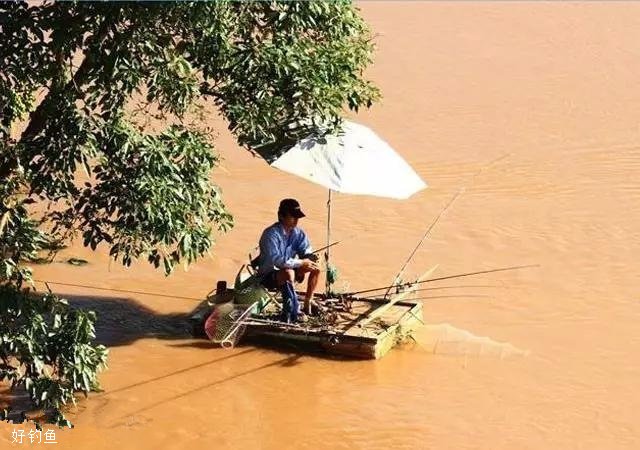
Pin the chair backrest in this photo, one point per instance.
(247, 288)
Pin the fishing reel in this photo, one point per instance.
(311, 256)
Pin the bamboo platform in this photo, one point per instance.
(353, 334)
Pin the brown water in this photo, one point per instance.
(549, 360)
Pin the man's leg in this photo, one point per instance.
(312, 283)
(290, 304)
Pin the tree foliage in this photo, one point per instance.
(76, 77)
(46, 348)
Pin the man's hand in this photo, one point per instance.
(309, 265)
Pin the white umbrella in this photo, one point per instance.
(356, 161)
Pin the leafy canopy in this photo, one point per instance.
(78, 83)
(275, 70)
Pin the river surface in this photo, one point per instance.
(542, 358)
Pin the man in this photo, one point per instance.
(278, 268)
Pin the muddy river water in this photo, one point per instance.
(536, 359)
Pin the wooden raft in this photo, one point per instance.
(353, 335)
(348, 337)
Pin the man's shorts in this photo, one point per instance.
(269, 280)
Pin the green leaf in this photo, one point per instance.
(77, 261)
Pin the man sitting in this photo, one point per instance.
(278, 268)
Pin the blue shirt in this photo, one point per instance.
(277, 250)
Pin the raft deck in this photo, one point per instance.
(351, 334)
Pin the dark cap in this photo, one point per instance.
(291, 207)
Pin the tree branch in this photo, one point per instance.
(38, 118)
(39, 115)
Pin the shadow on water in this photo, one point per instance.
(177, 372)
(289, 361)
(122, 321)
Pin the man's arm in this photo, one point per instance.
(272, 255)
(304, 246)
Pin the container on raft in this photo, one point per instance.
(351, 332)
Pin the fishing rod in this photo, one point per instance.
(424, 236)
(441, 288)
(409, 284)
(453, 296)
(460, 191)
(324, 248)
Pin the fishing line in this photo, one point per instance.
(442, 278)
(453, 296)
(460, 192)
(155, 294)
(424, 236)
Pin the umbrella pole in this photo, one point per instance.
(326, 253)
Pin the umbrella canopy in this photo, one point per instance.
(355, 162)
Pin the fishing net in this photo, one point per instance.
(445, 339)
(231, 326)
